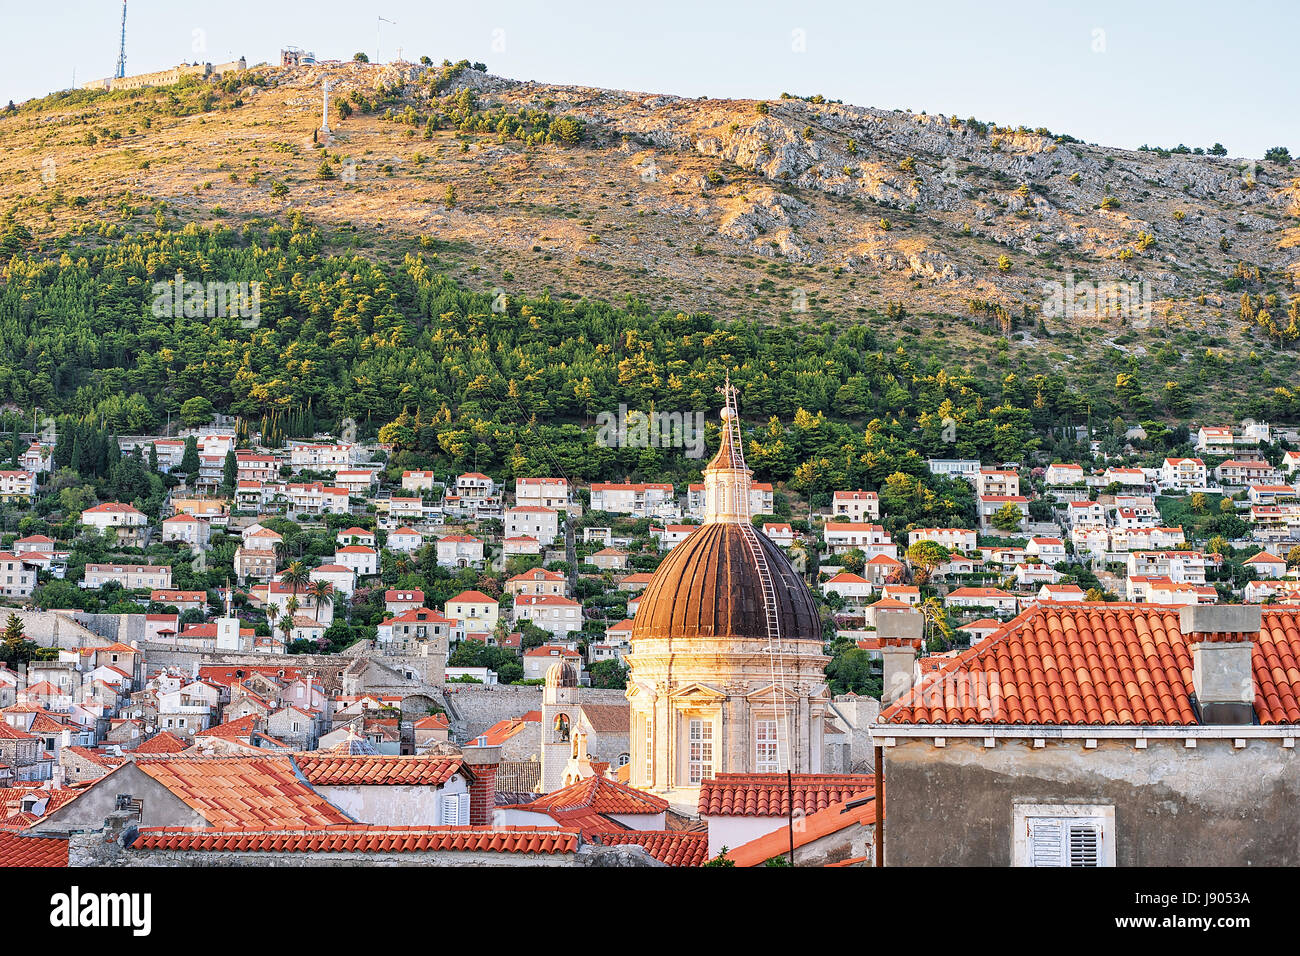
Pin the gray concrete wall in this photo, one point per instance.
(161, 808)
(1174, 806)
(49, 629)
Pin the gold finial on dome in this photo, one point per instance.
(726, 478)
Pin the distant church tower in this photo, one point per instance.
(727, 670)
(559, 723)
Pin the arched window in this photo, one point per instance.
(562, 726)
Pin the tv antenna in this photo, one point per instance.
(379, 22)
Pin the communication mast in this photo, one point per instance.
(121, 56)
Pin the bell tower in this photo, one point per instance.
(559, 723)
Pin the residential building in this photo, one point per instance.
(17, 485)
(954, 539)
(475, 611)
(855, 506)
(1096, 790)
(538, 581)
(460, 551)
(533, 521)
(130, 576)
(362, 560)
(1182, 473)
(642, 500)
(550, 612)
(544, 493)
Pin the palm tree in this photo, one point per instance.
(322, 593)
(286, 628)
(291, 607)
(296, 575)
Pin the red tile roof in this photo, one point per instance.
(243, 791)
(162, 743)
(1097, 663)
(323, 770)
(594, 797)
(16, 850)
(673, 847)
(859, 811)
(767, 794)
(362, 838)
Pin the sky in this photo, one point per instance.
(1113, 73)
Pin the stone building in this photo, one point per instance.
(1099, 734)
(727, 665)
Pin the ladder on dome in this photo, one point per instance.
(766, 582)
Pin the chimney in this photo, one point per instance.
(1221, 638)
(482, 762)
(900, 633)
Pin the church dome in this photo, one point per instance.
(709, 587)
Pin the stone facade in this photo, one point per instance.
(1227, 801)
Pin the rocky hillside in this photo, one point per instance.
(778, 210)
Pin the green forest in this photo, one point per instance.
(508, 384)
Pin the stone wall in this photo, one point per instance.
(479, 706)
(1212, 805)
(53, 629)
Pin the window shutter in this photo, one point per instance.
(1085, 844)
(450, 814)
(455, 809)
(1046, 845)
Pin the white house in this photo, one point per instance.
(460, 551)
(995, 598)
(558, 615)
(871, 539)
(955, 539)
(404, 539)
(362, 560)
(645, 500)
(187, 529)
(17, 576)
(854, 588)
(1182, 473)
(855, 506)
(113, 514)
(544, 493)
(1061, 473)
(17, 485)
(533, 521)
(417, 481)
(1267, 566)
(1050, 550)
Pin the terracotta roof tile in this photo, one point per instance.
(328, 769)
(768, 795)
(1097, 664)
(673, 847)
(16, 850)
(362, 838)
(162, 743)
(858, 811)
(588, 803)
(243, 791)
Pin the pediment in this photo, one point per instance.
(698, 691)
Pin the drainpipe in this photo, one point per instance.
(880, 806)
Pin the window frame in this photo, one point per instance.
(1100, 815)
